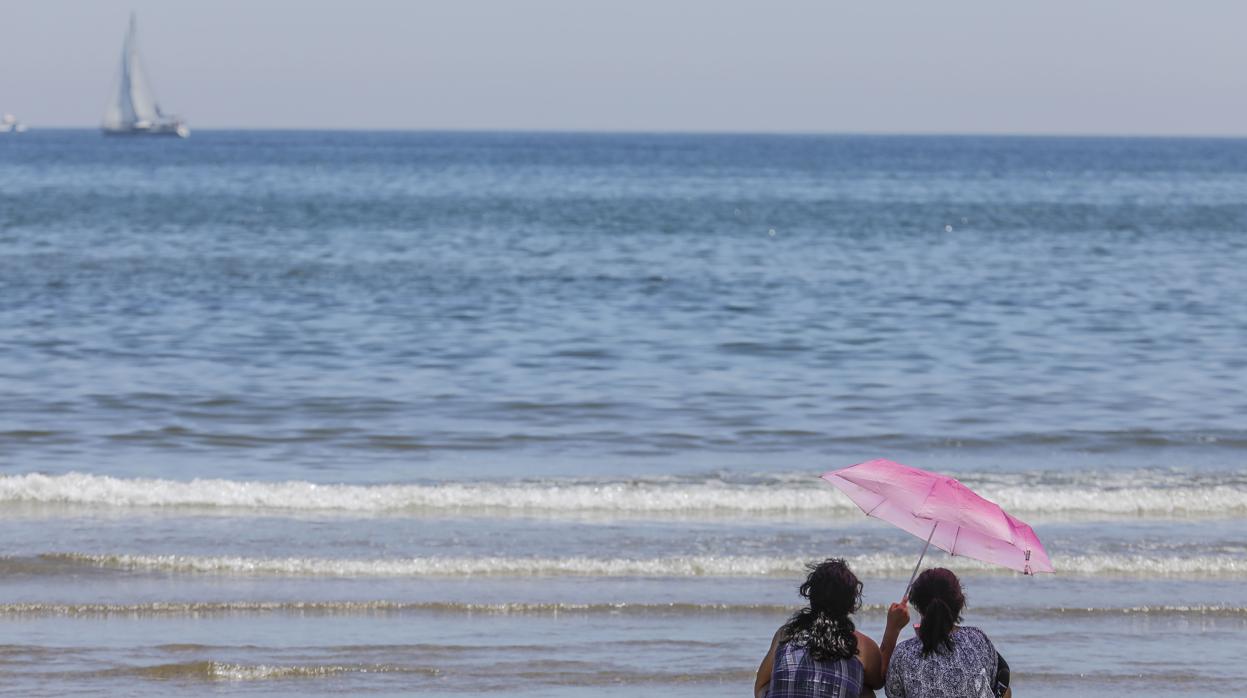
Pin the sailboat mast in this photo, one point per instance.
(131, 66)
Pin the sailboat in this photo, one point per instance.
(10, 124)
(133, 109)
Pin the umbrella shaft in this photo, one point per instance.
(924, 554)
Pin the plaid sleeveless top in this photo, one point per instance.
(796, 674)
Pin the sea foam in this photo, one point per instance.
(1114, 495)
(879, 565)
(319, 608)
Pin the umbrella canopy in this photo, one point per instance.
(942, 511)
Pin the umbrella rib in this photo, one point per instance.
(876, 506)
(930, 491)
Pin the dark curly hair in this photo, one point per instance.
(938, 597)
(824, 628)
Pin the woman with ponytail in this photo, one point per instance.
(946, 659)
(818, 653)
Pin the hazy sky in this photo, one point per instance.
(975, 66)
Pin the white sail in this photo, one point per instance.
(141, 99)
(133, 108)
(119, 114)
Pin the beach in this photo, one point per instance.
(304, 413)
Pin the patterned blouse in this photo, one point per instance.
(967, 671)
(795, 674)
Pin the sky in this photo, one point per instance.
(1126, 67)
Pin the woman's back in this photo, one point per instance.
(796, 674)
(967, 670)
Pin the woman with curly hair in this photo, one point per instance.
(818, 653)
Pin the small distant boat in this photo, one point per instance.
(10, 124)
(133, 110)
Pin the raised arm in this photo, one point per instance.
(898, 617)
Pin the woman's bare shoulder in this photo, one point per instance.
(778, 636)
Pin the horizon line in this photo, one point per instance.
(687, 132)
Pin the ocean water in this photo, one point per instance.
(543, 414)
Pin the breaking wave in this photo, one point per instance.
(226, 671)
(1109, 495)
(884, 565)
(349, 608)
(559, 672)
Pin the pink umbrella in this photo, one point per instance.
(945, 512)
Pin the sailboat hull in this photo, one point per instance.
(178, 131)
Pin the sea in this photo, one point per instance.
(300, 413)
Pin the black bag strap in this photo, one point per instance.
(1002, 676)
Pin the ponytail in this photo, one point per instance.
(937, 627)
(937, 595)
